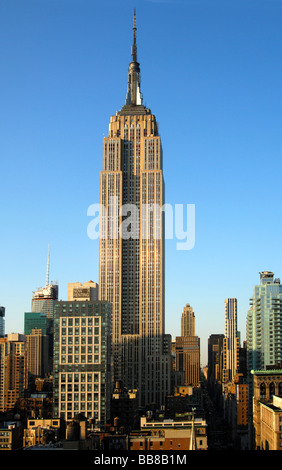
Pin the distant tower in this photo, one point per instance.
(230, 341)
(37, 359)
(44, 298)
(131, 265)
(188, 321)
(2, 321)
(187, 349)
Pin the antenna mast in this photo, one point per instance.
(48, 266)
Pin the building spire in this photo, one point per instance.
(134, 45)
(133, 96)
(48, 266)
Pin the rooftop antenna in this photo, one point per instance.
(48, 266)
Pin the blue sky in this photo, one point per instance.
(211, 73)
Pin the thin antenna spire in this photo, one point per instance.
(48, 266)
(133, 96)
(134, 45)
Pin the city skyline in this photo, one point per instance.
(216, 71)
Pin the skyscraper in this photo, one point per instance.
(188, 321)
(2, 321)
(264, 323)
(131, 265)
(12, 370)
(44, 298)
(230, 341)
(36, 355)
(187, 349)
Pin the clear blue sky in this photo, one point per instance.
(211, 73)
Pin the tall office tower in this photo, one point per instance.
(82, 346)
(2, 321)
(44, 298)
(187, 355)
(188, 321)
(85, 291)
(230, 341)
(264, 324)
(37, 357)
(131, 251)
(12, 372)
(215, 360)
(43, 301)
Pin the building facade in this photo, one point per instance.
(188, 321)
(267, 409)
(35, 320)
(37, 355)
(187, 356)
(82, 346)
(2, 321)
(12, 370)
(264, 324)
(83, 291)
(131, 252)
(215, 360)
(230, 341)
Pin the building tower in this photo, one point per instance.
(187, 349)
(188, 321)
(2, 321)
(131, 251)
(82, 355)
(264, 324)
(44, 298)
(36, 356)
(12, 370)
(230, 341)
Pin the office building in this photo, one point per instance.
(215, 360)
(131, 251)
(35, 320)
(82, 344)
(2, 321)
(83, 291)
(44, 298)
(12, 370)
(188, 321)
(37, 356)
(230, 342)
(187, 355)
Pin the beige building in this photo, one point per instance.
(37, 354)
(185, 433)
(230, 341)
(267, 409)
(131, 264)
(83, 291)
(12, 370)
(41, 432)
(188, 321)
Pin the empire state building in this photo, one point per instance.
(131, 250)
